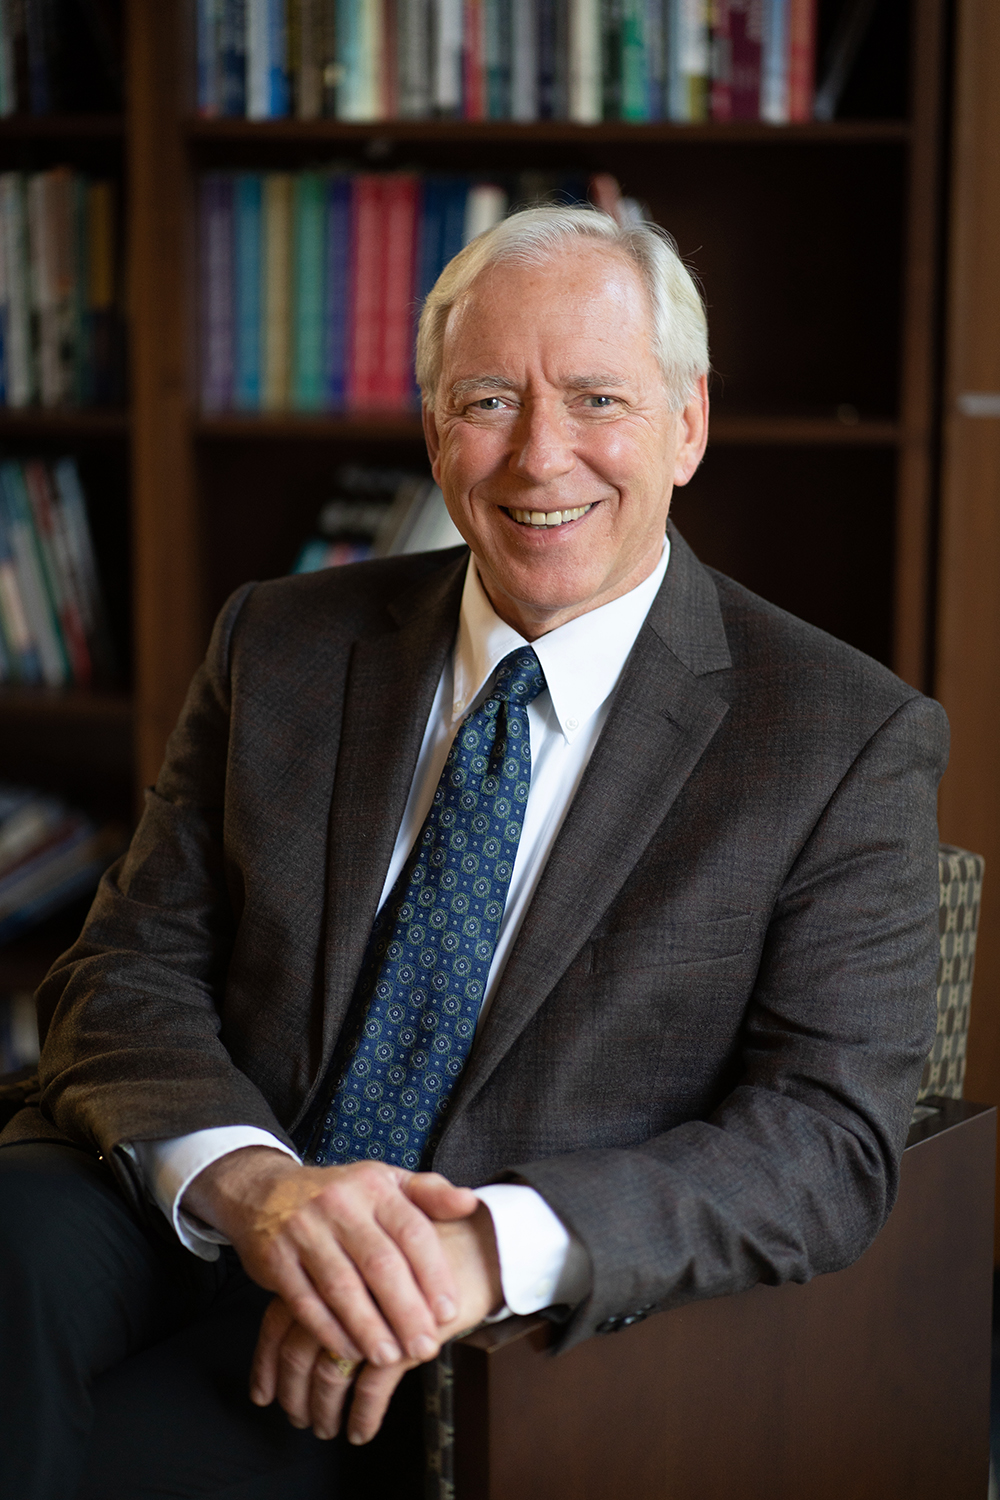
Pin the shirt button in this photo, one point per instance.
(572, 723)
(543, 1289)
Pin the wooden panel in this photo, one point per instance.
(968, 667)
(869, 1384)
(919, 351)
(168, 608)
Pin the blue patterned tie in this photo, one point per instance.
(414, 1012)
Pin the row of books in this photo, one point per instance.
(581, 60)
(377, 513)
(309, 282)
(53, 630)
(60, 56)
(50, 855)
(60, 329)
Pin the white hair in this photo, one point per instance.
(679, 327)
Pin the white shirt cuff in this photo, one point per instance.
(540, 1261)
(169, 1167)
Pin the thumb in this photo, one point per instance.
(438, 1198)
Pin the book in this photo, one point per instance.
(400, 197)
(67, 866)
(351, 94)
(51, 234)
(446, 61)
(689, 61)
(524, 60)
(413, 58)
(473, 61)
(71, 518)
(657, 60)
(39, 607)
(216, 302)
(207, 56)
(368, 253)
(100, 374)
(584, 41)
(746, 31)
(774, 62)
(266, 65)
(232, 61)
(307, 355)
(496, 59)
(337, 290)
(248, 290)
(276, 301)
(634, 83)
(60, 578)
(485, 205)
(20, 647)
(801, 59)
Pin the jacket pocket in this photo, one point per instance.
(671, 943)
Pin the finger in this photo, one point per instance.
(373, 1391)
(438, 1198)
(328, 1392)
(296, 1363)
(419, 1242)
(328, 1297)
(386, 1251)
(264, 1370)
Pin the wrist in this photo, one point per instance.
(227, 1189)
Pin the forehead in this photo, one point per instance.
(578, 297)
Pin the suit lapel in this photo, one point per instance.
(392, 679)
(663, 717)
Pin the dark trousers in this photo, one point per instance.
(124, 1362)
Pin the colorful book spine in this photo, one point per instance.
(801, 60)
(72, 513)
(232, 65)
(496, 58)
(277, 291)
(59, 578)
(372, 59)
(351, 92)
(39, 607)
(23, 661)
(309, 214)
(400, 210)
(368, 308)
(336, 291)
(473, 61)
(447, 58)
(216, 224)
(746, 25)
(248, 290)
(657, 103)
(634, 87)
(774, 62)
(52, 238)
(413, 58)
(267, 68)
(689, 61)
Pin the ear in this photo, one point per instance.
(431, 439)
(694, 433)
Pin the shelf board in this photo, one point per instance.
(69, 422)
(65, 705)
(860, 132)
(56, 127)
(733, 430)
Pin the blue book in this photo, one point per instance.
(268, 94)
(233, 58)
(453, 226)
(248, 291)
(206, 46)
(277, 55)
(337, 290)
(350, 61)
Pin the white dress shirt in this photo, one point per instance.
(540, 1262)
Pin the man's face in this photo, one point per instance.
(551, 404)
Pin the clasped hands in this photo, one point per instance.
(372, 1266)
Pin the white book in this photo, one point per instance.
(372, 47)
(258, 60)
(20, 373)
(585, 61)
(689, 59)
(524, 60)
(485, 205)
(774, 63)
(447, 60)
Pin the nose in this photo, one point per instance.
(541, 450)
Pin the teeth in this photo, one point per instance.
(549, 517)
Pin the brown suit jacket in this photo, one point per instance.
(706, 1043)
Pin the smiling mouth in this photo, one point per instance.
(542, 518)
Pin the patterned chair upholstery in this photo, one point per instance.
(961, 876)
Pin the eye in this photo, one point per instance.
(600, 403)
(488, 403)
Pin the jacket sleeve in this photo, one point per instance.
(796, 1170)
(130, 1014)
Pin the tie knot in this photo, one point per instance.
(519, 677)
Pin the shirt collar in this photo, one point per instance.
(582, 660)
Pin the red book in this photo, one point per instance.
(368, 254)
(746, 26)
(401, 202)
(721, 97)
(473, 88)
(801, 60)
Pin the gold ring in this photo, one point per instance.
(346, 1367)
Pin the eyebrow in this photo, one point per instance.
(500, 383)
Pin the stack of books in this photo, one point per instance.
(60, 330)
(581, 60)
(310, 282)
(50, 855)
(377, 513)
(60, 57)
(53, 630)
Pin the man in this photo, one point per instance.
(568, 866)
